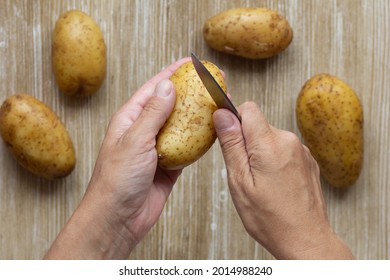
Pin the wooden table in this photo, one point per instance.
(346, 38)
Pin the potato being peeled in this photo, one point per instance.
(330, 118)
(254, 33)
(36, 137)
(78, 54)
(189, 131)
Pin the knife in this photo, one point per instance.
(219, 96)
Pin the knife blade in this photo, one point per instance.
(217, 94)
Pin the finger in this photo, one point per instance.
(232, 142)
(165, 179)
(164, 74)
(257, 131)
(255, 125)
(136, 103)
(131, 110)
(306, 148)
(153, 116)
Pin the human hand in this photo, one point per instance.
(275, 186)
(127, 191)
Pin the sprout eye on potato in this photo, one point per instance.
(78, 54)
(189, 131)
(330, 118)
(36, 137)
(254, 33)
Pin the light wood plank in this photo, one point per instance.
(346, 38)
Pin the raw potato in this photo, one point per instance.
(254, 33)
(330, 118)
(36, 137)
(78, 54)
(189, 131)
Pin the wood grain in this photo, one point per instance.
(346, 38)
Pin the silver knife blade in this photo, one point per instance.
(219, 96)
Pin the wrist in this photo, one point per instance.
(92, 233)
(330, 247)
(320, 243)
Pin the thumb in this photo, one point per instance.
(232, 142)
(156, 111)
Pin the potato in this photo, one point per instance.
(254, 33)
(189, 131)
(330, 118)
(36, 137)
(78, 54)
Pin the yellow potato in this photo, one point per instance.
(330, 118)
(189, 131)
(36, 137)
(254, 33)
(78, 54)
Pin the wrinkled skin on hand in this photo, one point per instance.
(275, 186)
(127, 191)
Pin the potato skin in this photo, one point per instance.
(78, 54)
(36, 137)
(189, 131)
(254, 33)
(330, 118)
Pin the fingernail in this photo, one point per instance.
(163, 88)
(223, 120)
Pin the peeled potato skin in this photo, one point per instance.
(189, 131)
(36, 137)
(330, 118)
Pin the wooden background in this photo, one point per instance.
(346, 38)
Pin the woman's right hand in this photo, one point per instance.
(275, 185)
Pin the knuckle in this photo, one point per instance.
(291, 139)
(153, 105)
(231, 142)
(251, 105)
